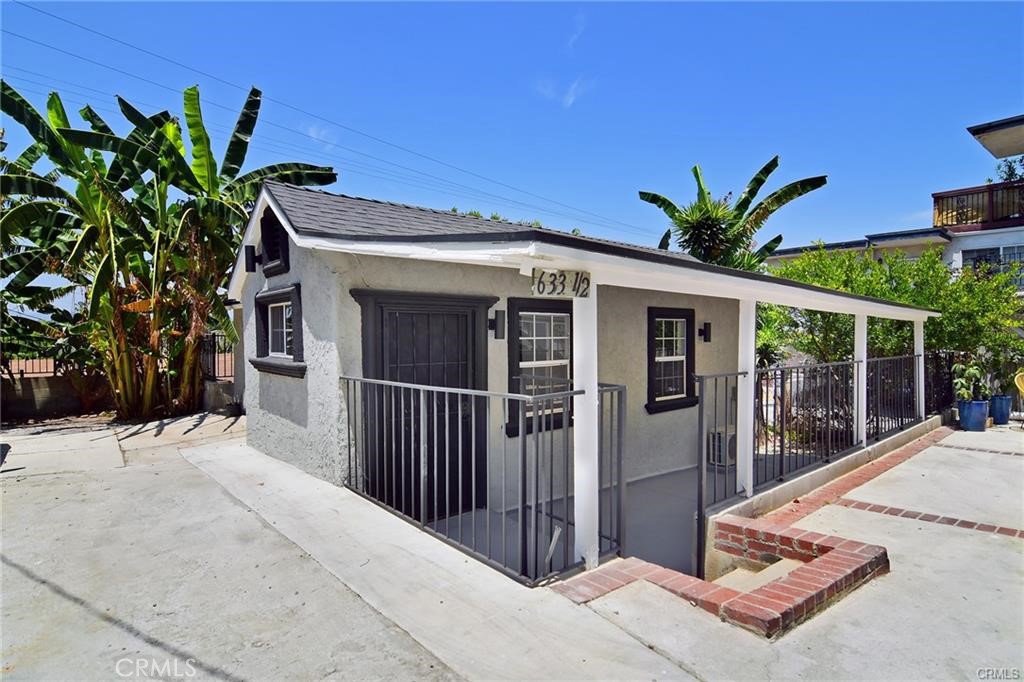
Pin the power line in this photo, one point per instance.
(283, 147)
(300, 110)
(428, 181)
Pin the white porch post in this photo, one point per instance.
(919, 366)
(860, 355)
(586, 422)
(746, 362)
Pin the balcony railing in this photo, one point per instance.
(999, 204)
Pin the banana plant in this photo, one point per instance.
(153, 265)
(721, 232)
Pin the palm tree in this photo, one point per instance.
(720, 232)
(153, 267)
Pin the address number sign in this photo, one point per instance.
(561, 283)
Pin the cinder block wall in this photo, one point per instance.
(37, 397)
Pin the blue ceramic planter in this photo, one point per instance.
(1001, 409)
(973, 414)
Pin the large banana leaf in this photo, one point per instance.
(670, 209)
(15, 106)
(34, 186)
(20, 217)
(59, 119)
(769, 248)
(238, 145)
(779, 198)
(754, 186)
(28, 158)
(703, 195)
(94, 120)
(204, 167)
(246, 188)
(100, 283)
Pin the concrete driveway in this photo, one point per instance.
(123, 561)
(174, 544)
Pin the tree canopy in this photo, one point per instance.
(979, 307)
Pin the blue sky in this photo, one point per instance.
(582, 104)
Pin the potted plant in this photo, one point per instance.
(972, 394)
(1004, 366)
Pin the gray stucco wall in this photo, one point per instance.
(301, 420)
(292, 418)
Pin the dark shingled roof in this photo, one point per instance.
(316, 213)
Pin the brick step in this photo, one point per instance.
(745, 580)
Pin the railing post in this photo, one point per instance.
(586, 422)
(860, 358)
(919, 367)
(745, 362)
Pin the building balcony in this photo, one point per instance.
(994, 205)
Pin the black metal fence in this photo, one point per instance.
(804, 416)
(217, 356)
(443, 458)
(892, 395)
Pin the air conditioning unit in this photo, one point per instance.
(721, 448)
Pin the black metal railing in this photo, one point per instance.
(891, 395)
(804, 417)
(717, 428)
(443, 458)
(217, 356)
(938, 381)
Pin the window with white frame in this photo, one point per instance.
(280, 329)
(539, 360)
(670, 359)
(544, 342)
(279, 348)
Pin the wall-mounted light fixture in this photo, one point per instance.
(497, 324)
(251, 258)
(705, 332)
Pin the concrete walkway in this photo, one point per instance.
(953, 604)
(121, 557)
(477, 621)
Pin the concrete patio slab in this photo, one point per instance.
(1009, 438)
(977, 486)
(925, 620)
(477, 621)
(32, 453)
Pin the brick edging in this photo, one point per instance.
(930, 518)
(833, 566)
(830, 492)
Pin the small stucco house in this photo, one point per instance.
(505, 386)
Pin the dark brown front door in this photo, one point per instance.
(433, 344)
